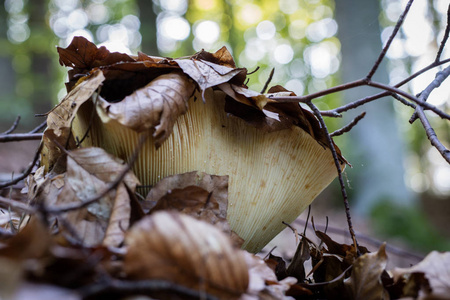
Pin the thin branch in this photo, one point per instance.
(431, 134)
(445, 37)
(16, 205)
(339, 171)
(307, 98)
(4, 138)
(13, 126)
(391, 38)
(109, 188)
(26, 172)
(440, 77)
(360, 102)
(139, 287)
(349, 126)
(362, 237)
(39, 127)
(266, 85)
(410, 97)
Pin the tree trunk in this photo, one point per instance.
(377, 148)
(148, 27)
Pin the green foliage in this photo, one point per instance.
(409, 224)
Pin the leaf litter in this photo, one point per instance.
(175, 242)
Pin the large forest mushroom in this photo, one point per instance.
(273, 176)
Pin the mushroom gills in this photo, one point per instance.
(273, 176)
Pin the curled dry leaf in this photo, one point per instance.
(436, 268)
(200, 195)
(168, 246)
(365, 280)
(155, 106)
(89, 170)
(59, 119)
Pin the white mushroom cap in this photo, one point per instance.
(273, 177)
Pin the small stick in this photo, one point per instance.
(349, 126)
(391, 38)
(266, 85)
(15, 137)
(445, 37)
(339, 170)
(13, 126)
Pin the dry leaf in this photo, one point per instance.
(365, 280)
(263, 281)
(89, 170)
(436, 268)
(155, 106)
(59, 119)
(168, 246)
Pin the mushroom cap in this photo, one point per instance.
(273, 176)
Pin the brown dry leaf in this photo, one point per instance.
(206, 73)
(263, 281)
(200, 195)
(59, 119)
(89, 170)
(436, 268)
(168, 246)
(155, 106)
(365, 280)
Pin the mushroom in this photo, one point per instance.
(273, 176)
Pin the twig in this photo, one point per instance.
(426, 105)
(391, 38)
(366, 100)
(440, 77)
(16, 205)
(445, 37)
(266, 85)
(13, 126)
(20, 137)
(39, 127)
(139, 287)
(431, 134)
(361, 237)
(26, 172)
(111, 186)
(349, 126)
(339, 170)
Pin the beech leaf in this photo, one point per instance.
(168, 246)
(365, 280)
(59, 119)
(436, 268)
(89, 170)
(155, 106)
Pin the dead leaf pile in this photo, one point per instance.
(87, 233)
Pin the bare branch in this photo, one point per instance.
(349, 127)
(39, 127)
(4, 138)
(440, 77)
(16, 205)
(391, 38)
(268, 81)
(432, 135)
(445, 37)
(26, 172)
(339, 170)
(13, 126)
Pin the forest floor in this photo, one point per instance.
(15, 157)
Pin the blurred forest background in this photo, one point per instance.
(398, 180)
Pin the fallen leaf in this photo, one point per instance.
(155, 106)
(168, 246)
(89, 171)
(59, 119)
(365, 280)
(436, 269)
